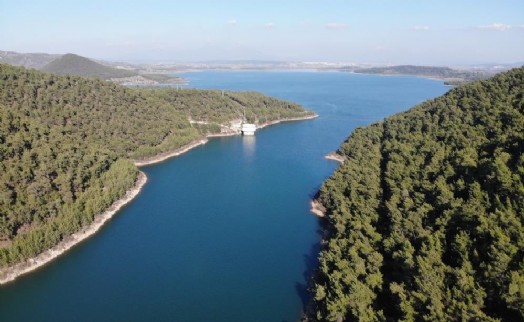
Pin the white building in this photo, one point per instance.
(248, 129)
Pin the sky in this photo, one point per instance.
(422, 32)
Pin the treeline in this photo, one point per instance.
(64, 142)
(220, 107)
(425, 217)
(130, 122)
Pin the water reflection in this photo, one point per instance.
(248, 143)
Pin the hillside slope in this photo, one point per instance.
(425, 217)
(28, 60)
(74, 65)
(65, 145)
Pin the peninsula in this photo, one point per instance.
(450, 76)
(71, 147)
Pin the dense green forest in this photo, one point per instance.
(221, 106)
(66, 144)
(424, 219)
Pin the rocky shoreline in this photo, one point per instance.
(11, 273)
(166, 155)
(317, 208)
(335, 157)
(291, 119)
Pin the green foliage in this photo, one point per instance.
(74, 65)
(132, 123)
(64, 142)
(425, 216)
(222, 106)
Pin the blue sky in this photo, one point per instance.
(435, 32)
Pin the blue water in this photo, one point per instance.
(223, 232)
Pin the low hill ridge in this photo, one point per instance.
(75, 65)
(449, 75)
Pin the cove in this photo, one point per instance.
(223, 232)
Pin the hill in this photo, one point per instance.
(66, 144)
(425, 217)
(74, 65)
(29, 60)
(451, 76)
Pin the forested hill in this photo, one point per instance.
(74, 65)
(65, 141)
(425, 217)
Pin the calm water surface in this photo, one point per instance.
(223, 232)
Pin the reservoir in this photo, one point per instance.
(223, 232)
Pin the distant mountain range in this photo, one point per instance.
(31, 60)
(152, 74)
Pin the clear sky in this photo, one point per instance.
(436, 32)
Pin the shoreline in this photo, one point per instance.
(291, 119)
(446, 81)
(317, 209)
(10, 273)
(335, 157)
(170, 154)
(167, 155)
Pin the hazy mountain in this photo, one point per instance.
(30, 60)
(71, 64)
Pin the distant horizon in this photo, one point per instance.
(431, 33)
(266, 61)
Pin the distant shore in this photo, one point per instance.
(10, 273)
